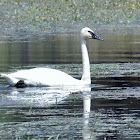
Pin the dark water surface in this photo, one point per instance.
(108, 110)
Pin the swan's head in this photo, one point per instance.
(87, 33)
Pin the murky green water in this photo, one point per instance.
(108, 110)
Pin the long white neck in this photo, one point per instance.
(86, 64)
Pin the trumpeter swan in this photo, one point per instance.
(53, 77)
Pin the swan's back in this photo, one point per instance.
(41, 77)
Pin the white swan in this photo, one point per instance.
(53, 77)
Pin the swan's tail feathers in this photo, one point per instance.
(11, 80)
(3, 75)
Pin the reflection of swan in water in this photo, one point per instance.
(52, 77)
(87, 133)
(37, 96)
(46, 97)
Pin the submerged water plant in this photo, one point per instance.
(30, 110)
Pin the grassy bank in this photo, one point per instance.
(41, 16)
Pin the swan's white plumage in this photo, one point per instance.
(53, 77)
(41, 77)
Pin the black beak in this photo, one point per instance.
(94, 36)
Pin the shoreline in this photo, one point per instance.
(22, 33)
(23, 18)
